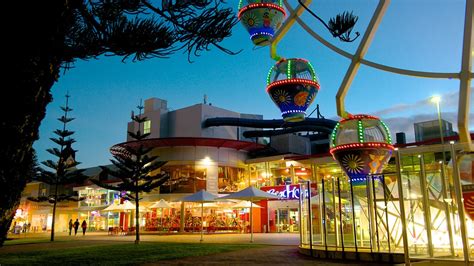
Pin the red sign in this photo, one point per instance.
(289, 192)
(468, 194)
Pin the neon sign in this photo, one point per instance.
(288, 192)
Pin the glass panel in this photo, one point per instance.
(388, 212)
(330, 222)
(466, 167)
(347, 213)
(347, 133)
(184, 179)
(281, 175)
(304, 217)
(230, 179)
(380, 192)
(93, 197)
(416, 223)
(283, 225)
(316, 217)
(362, 215)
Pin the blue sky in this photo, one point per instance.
(420, 35)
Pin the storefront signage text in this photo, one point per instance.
(289, 192)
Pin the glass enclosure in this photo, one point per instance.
(368, 214)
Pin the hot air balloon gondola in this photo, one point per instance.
(292, 84)
(261, 18)
(362, 146)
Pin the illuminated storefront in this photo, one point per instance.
(90, 209)
(37, 217)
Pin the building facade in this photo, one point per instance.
(429, 130)
(415, 209)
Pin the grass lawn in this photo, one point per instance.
(129, 253)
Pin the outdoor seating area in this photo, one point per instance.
(118, 230)
(212, 215)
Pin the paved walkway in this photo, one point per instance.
(267, 239)
(99, 238)
(259, 238)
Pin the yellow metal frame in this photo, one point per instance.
(465, 75)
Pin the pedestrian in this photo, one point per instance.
(84, 227)
(76, 226)
(70, 226)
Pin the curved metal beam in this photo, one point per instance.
(464, 76)
(360, 53)
(284, 29)
(465, 79)
(396, 70)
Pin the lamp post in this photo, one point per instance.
(437, 100)
(445, 182)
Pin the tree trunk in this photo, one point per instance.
(20, 130)
(32, 69)
(53, 221)
(54, 210)
(137, 219)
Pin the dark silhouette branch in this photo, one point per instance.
(340, 27)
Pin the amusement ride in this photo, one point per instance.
(360, 143)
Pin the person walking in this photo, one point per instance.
(84, 227)
(70, 226)
(76, 226)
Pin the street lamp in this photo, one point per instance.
(437, 99)
(445, 181)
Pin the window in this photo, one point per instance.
(147, 127)
(231, 179)
(184, 179)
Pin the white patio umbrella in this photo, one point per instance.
(251, 194)
(246, 204)
(128, 206)
(200, 197)
(160, 205)
(112, 207)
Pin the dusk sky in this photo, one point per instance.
(423, 35)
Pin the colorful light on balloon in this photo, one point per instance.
(292, 84)
(261, 18)
(362, 145)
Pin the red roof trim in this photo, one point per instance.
(191, 141)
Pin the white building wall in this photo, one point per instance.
(223, 132)
(183, 154)
(187, 122)
(155, 109)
